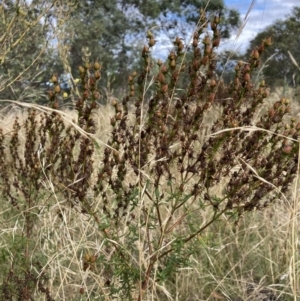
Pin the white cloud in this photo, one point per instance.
(262, 14)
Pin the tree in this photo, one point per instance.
(25, 50)
(59, 36)
(109, 31)
(279, 69)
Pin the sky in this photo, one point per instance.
(262, 14)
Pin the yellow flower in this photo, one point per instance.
(76, 80)
(65, 95)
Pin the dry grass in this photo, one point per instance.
(259, 252)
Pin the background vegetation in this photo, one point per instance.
(279, 69)
(50, 35)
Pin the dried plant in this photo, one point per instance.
(162, 167)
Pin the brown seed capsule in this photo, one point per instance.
(54, 78)
(97, 66)
(92, 81)
(97, 75)
(208, 49)
(96, 94)
(159, 63)
(276, 119)
(57, 89)
(93, 258)
(164, 88)
(276, 105)
(85, 94)
(249, 86)
(268, 41)
(216, 42)
(213, 25)
(283, 100)
(287, 110)
(79, 103)
(180, 46)
(247, 68)
(172, 56)
(196, 64)
(211, 97)
(213, 83)
(119, 116)
(287, 149)
(236, 82)
(246, 77)
(195, 43)
(175, 75)
(173, 64)
(206, 40)
(160, 78)
(262, 84)
(163, 69)
(55, 105)
(50, 93)
(205, 60)
(196, 82)
(255, 54)
(197, 52)
(217, 19)
(151, 42)
(271, 112)
(177, 41)
(145, 51)
(207, 106)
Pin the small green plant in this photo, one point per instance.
(162, 167)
